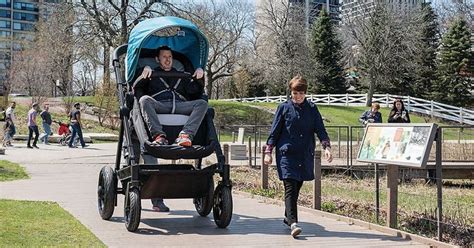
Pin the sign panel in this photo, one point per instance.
(399, 144)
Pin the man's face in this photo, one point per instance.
(165, 58)
(13, 105)
(46, 108)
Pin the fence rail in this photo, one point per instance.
(413, 104)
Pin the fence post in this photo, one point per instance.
(317, 180)
(347, 99)
(387, 100)
(264, 170)
(439, 183)
(233, 137)
(432, 108)
(461, 116)
(226, 153)
(409, 104)
(339, 140)
(250, 151)
(329, 99)
(392, 195)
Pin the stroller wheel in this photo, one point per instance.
(106, 192)
(204, 204)
(222, 209)
(132, 210)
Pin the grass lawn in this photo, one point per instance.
(41, 224)
(11, 171)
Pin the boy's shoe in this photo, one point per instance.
(35, 146)
(183, 140)
(161, 140)
(161, 207)
(30, 147)
(295, 230)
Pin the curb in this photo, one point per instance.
(352, 221)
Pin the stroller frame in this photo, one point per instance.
(144, 181)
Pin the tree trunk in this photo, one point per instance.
(370, 93)
(106, 78)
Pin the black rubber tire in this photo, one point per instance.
(106, 192)
(222, 208)
(204, 204)
(133, 210)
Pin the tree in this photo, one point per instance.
(426, 57)
(326, 53)
(282, 47)
(385, 40)
(455, 65)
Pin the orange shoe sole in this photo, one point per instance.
(185, 143)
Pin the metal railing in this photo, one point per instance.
(413, 104)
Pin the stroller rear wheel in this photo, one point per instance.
(204, 204)
(132, 210)
(106, 192)
(222, 209)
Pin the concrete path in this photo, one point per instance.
(69, 177)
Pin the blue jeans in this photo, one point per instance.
(12, 130)
(31, 130)
(47, 132)
(76, 128)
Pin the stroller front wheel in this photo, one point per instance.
(132, 210)
(222, 209)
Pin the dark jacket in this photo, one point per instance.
(396, 117)
(187, 90)
(292, 134)
(368, 115)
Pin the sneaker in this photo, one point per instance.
(85, 146)
(295, 230)
(161, 207)
(35, 146)
(183, 140)
(161, 140)
(30, 147)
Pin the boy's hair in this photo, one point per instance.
(376, 105)
(162, 48)
(34, 105)
(298, 83)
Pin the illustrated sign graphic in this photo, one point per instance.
(400, 144)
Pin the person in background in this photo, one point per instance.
(371, 116)
(398, 114)
(292, 133)
(32, 126)
(75, 119)
(10, 115)
(47, 121)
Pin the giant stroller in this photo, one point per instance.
(139, 178)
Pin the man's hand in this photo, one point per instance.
(147, 72)
(328, 155)
(198, 74)
(267, 159)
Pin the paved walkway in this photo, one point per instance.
(69, 177)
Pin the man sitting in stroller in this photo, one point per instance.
(170, 96)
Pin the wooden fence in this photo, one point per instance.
(413, 104)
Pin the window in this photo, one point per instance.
(5, 3)
(5, 34)
(5, 45)
(25, 16)
(24, 36)
(25, 6)
(23, 26)
(5, 13)
(5, 24)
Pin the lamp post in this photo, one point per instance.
(56, 87)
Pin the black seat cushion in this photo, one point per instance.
(179, 152)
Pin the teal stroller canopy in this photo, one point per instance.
(179, 34)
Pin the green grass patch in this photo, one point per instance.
(41, 224)
(11, 171)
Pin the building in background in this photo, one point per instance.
(17, 29)
(351, 9)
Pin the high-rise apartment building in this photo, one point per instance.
(313, 7)
(17, 28)
(351, 9)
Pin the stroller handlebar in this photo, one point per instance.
(171, 74)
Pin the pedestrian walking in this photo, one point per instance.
(32, 126)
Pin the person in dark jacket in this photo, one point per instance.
(75, 119)
(292, 134)
(47, 121)
(398, 114)
(371, 116)
(180, 96)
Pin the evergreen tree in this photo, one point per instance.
(425, 71)
(326, 54)
(455, 66)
